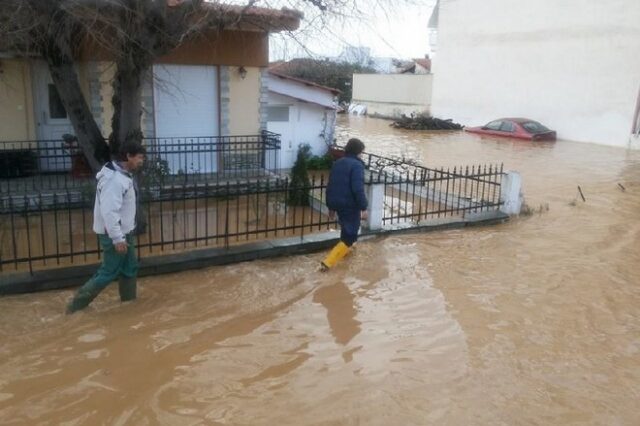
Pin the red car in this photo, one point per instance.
(521, 128)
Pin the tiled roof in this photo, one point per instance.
(305, 82)
(264, 18)
(423, 62)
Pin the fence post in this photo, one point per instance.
(510, 195)
(376, 206)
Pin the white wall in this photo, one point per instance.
(308, 124)
(574, 65)
(392, 94)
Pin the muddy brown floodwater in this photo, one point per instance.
(533, 322)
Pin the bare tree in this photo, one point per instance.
(42, 28)
(132, 33)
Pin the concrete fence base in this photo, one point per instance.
(511, 193)
(24, 282)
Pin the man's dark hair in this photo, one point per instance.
(354, 146)
(130, 148)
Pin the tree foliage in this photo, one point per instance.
(337, 75)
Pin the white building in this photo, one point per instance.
(302, 112)
(433, 29)
(573, 65)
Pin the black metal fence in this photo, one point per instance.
(36, 235)
(413, 193)
(32, 166)
(44, 229)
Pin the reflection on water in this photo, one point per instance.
(338, 301)
(536, 321)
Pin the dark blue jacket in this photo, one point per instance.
(345, 190)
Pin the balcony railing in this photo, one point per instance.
(35, 166)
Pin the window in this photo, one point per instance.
(507, 126)
(56, 108)
(278, 113)
(534, 127)
(494, 125)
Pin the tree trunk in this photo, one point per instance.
(125, 123)
(87, 131)
(127, 106)
(57, 48)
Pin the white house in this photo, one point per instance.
(573, 65)
(302, 112)
(209, 89)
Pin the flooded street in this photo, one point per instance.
(532, 322)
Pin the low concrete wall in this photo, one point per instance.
(391, 95)
(392, 110)
(18, 283)
(510, 196)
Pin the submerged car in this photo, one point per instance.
(521, 128)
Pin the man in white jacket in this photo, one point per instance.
(114, 220)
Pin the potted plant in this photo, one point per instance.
(79, 165)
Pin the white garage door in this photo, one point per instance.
(186, 115)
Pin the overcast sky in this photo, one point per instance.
(391, 28)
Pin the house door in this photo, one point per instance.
(52, 122)
(186, 114)
(280, 121)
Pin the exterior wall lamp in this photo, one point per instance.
(243, 72)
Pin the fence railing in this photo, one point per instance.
(413, 193)
(38, 233)
(440, 193)
(60, 233)
(29, 166)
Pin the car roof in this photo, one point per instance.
(519, 120)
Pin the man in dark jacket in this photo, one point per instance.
(346, 197)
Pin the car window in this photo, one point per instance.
(507, 126)
(534, 127)
(494, 125)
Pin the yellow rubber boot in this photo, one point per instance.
(338, 252)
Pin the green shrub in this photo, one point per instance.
(299, 185)
(320, 162)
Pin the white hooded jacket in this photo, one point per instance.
(114, 212)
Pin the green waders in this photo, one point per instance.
(114, 265)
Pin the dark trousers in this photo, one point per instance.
(349, 221)
(114, 265)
